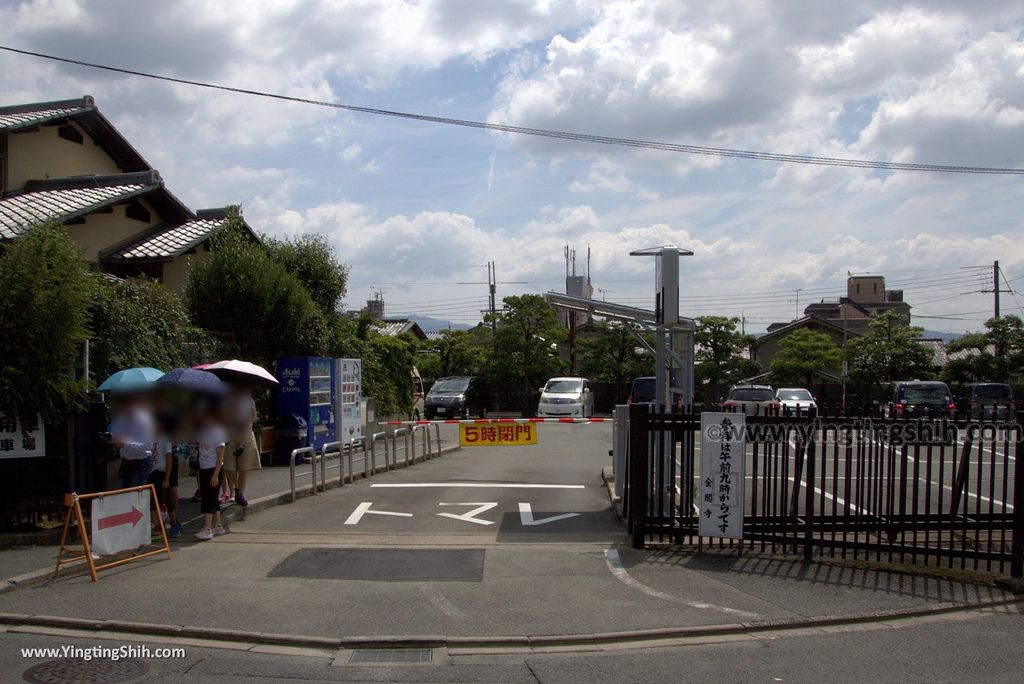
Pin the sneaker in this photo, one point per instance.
(205, 534)
(225, 498)
(240, 499)
(176, 530)
(197, 497)
(219, 531)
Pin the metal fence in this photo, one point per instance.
(941, 493)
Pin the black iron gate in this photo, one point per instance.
(938, 493)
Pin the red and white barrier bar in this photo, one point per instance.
(486, 421)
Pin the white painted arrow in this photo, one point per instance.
(364, 509)
(526, 516)
(470, 516)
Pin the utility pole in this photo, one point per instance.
(492, 286)
(995, 288)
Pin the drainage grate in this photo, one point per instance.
(81, 671)
(391, 655)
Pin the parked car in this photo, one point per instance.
(795, 401)
(919, 399)
(456, 397)
(566, 397)
(989, 401)
(642, 391)
(751, 399)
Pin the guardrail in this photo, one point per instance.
(345, 452)
(382, 436)
(312, 470)
(330, 449)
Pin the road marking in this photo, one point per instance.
(364, 509)
(469, 516)
(475, 485)
(611, 558)
(829, 495)
(527, 519)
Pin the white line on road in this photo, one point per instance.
(364, 509)
(611, 557)
(527, 519)
(476, 485)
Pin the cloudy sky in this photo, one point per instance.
(417, 208)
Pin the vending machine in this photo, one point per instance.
(307, 390)
(348, 395)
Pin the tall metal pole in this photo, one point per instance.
(845, 362)
(995, 288)
(492, 285)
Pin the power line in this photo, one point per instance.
(547, 133)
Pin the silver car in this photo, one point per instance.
(795, 401)
(753, 400)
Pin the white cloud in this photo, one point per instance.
(351, 152)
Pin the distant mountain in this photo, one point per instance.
(429, 324)
(936, 335)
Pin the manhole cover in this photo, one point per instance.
(392, 655)
(81, 671)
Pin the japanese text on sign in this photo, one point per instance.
(722, 474)
(21, 440)
(512, 434)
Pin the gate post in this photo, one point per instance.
(639, 484)
(1017, 546)
(809, 453)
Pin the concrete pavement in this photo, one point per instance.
(482, 543)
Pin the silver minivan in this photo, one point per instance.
(568, 397)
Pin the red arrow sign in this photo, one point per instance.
(133, 516)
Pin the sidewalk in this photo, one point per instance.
(266, 487)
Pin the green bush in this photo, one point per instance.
(45, 292)
(139, 323)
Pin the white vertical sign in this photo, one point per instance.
(722, 468)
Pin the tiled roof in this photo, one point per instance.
(20, 211)
(397, 326)
(170, 242)
(21, 116)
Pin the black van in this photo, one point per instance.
(919, 399)
(988, 401)
(456, 397)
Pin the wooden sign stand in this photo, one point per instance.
(73, 503)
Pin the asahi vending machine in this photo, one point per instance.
(348, 395)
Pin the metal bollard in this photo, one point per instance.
(312, 471)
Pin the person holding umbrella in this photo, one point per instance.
(242, 455)
(207, 443)
(131, 426)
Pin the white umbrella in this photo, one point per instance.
(244, 371)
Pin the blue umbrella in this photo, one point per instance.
(130, 380)
(194, 381)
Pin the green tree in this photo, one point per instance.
(45, 292)
(720, 356)
(801, 355)
(139, 323)
(387, 362)
(314, 262)
(453, 352)
(991, 356)
(526, 347)
(254, 302)
(888, 351)
(613, 355)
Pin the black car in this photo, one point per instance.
(456, 397)
(988, 401)
(642, 391)
(919, 399)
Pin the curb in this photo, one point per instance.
(43, 575)
(522, 642)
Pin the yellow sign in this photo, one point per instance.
(500, 434)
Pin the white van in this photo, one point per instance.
(565, 398)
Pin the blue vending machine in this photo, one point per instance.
(306, 390)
